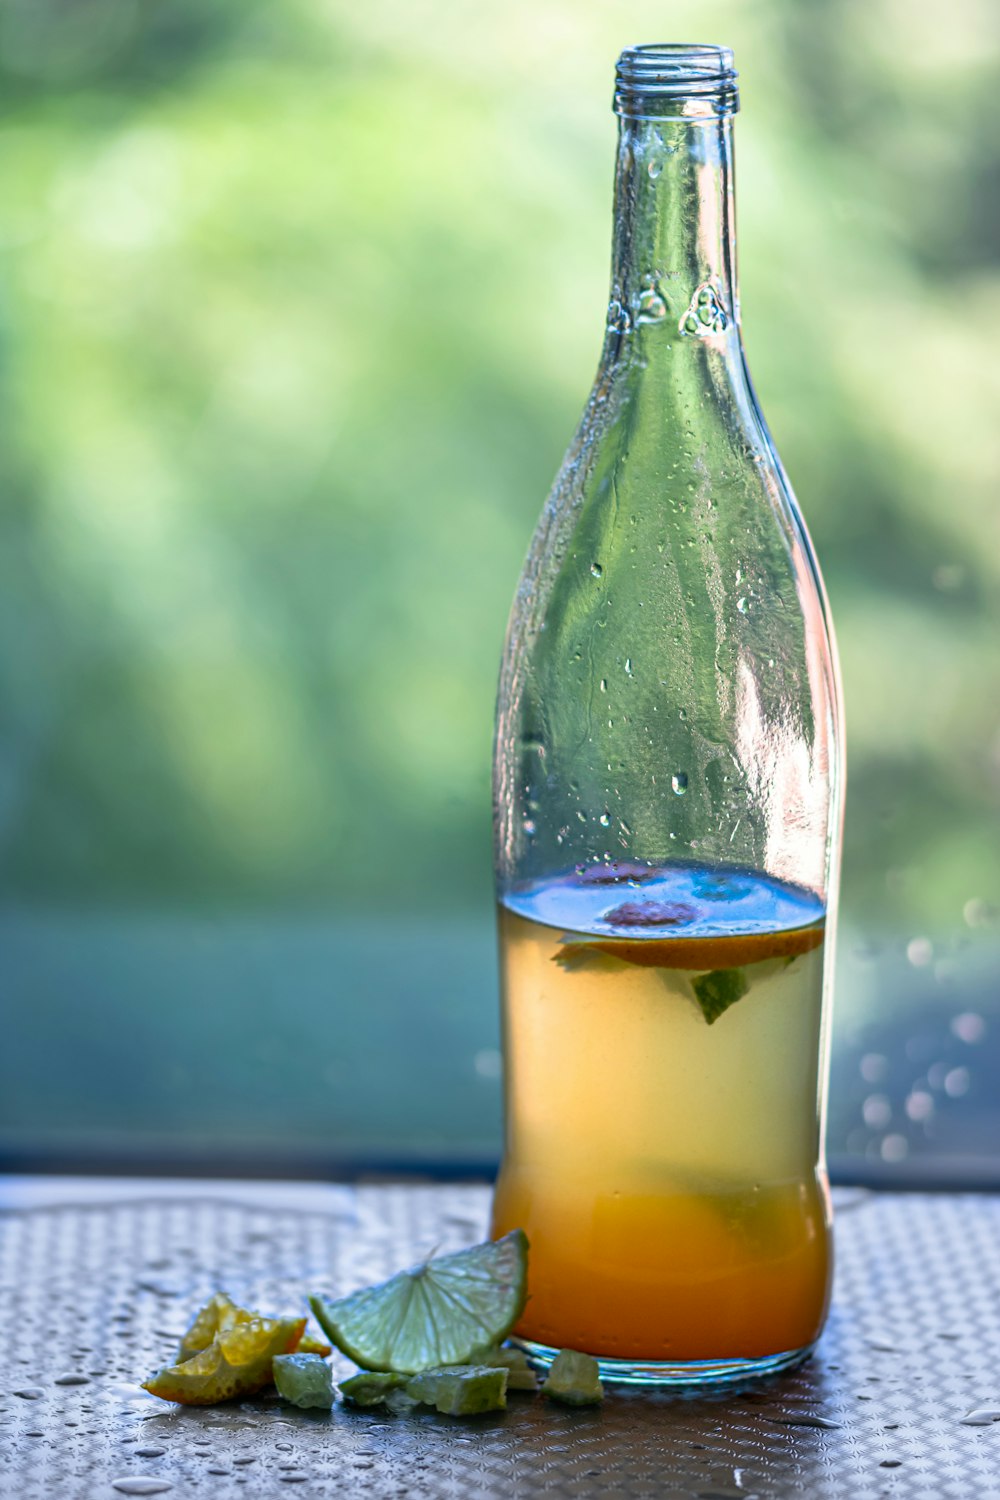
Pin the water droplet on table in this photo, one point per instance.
(141, 1486)
(30, 1393)
(71, 1380)
(806, 1420)
(981, 1416)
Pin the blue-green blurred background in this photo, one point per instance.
(299, 305)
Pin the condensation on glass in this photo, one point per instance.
(668, 775)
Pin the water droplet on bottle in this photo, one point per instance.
(530, 827)
(705, 313)
(619, 320)
(596, 569)
(605, 819)
(742, 605)
(652, 304)
(604, 684)
(628, 666)
(655, 168)
(682, 714)
(679, 782)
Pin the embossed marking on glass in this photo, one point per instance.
(668, 807)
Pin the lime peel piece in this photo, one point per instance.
(303, 1379)
(461, 1390)
(520, 1375)
(574, 1379)
(370, 1387)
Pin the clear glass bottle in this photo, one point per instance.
(668, 778)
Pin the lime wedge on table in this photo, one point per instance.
(437, 1314)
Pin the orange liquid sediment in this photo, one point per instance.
(664, 1169)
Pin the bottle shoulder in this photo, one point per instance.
(669, 674)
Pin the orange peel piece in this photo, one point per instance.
(698, 953)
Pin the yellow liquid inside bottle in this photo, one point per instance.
(665, 1169)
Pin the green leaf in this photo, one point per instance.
(717, 991)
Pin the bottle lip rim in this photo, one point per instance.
(674, 71)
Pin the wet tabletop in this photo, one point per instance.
(97, 1280)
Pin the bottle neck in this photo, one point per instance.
(673, 267)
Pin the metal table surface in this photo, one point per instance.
(98, 1280)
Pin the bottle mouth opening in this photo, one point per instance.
(686, 78)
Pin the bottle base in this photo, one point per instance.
(670, 1374)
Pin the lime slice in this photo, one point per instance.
(520, 1375)
(303, 1379)
(236, 1363)
(574, 1379)
(434, 1315)
(370, 1387)
(462, 1390)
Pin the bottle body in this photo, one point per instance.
(667, 802)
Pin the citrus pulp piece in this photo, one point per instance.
(303, 1379)
(236, 1363)
(574, 1379)
(369, 1387)
(308, 1345)
(219, 1313)
(520, 1375)
(462, 1390)
(436, 1314)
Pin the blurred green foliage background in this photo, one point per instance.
(300, 305)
